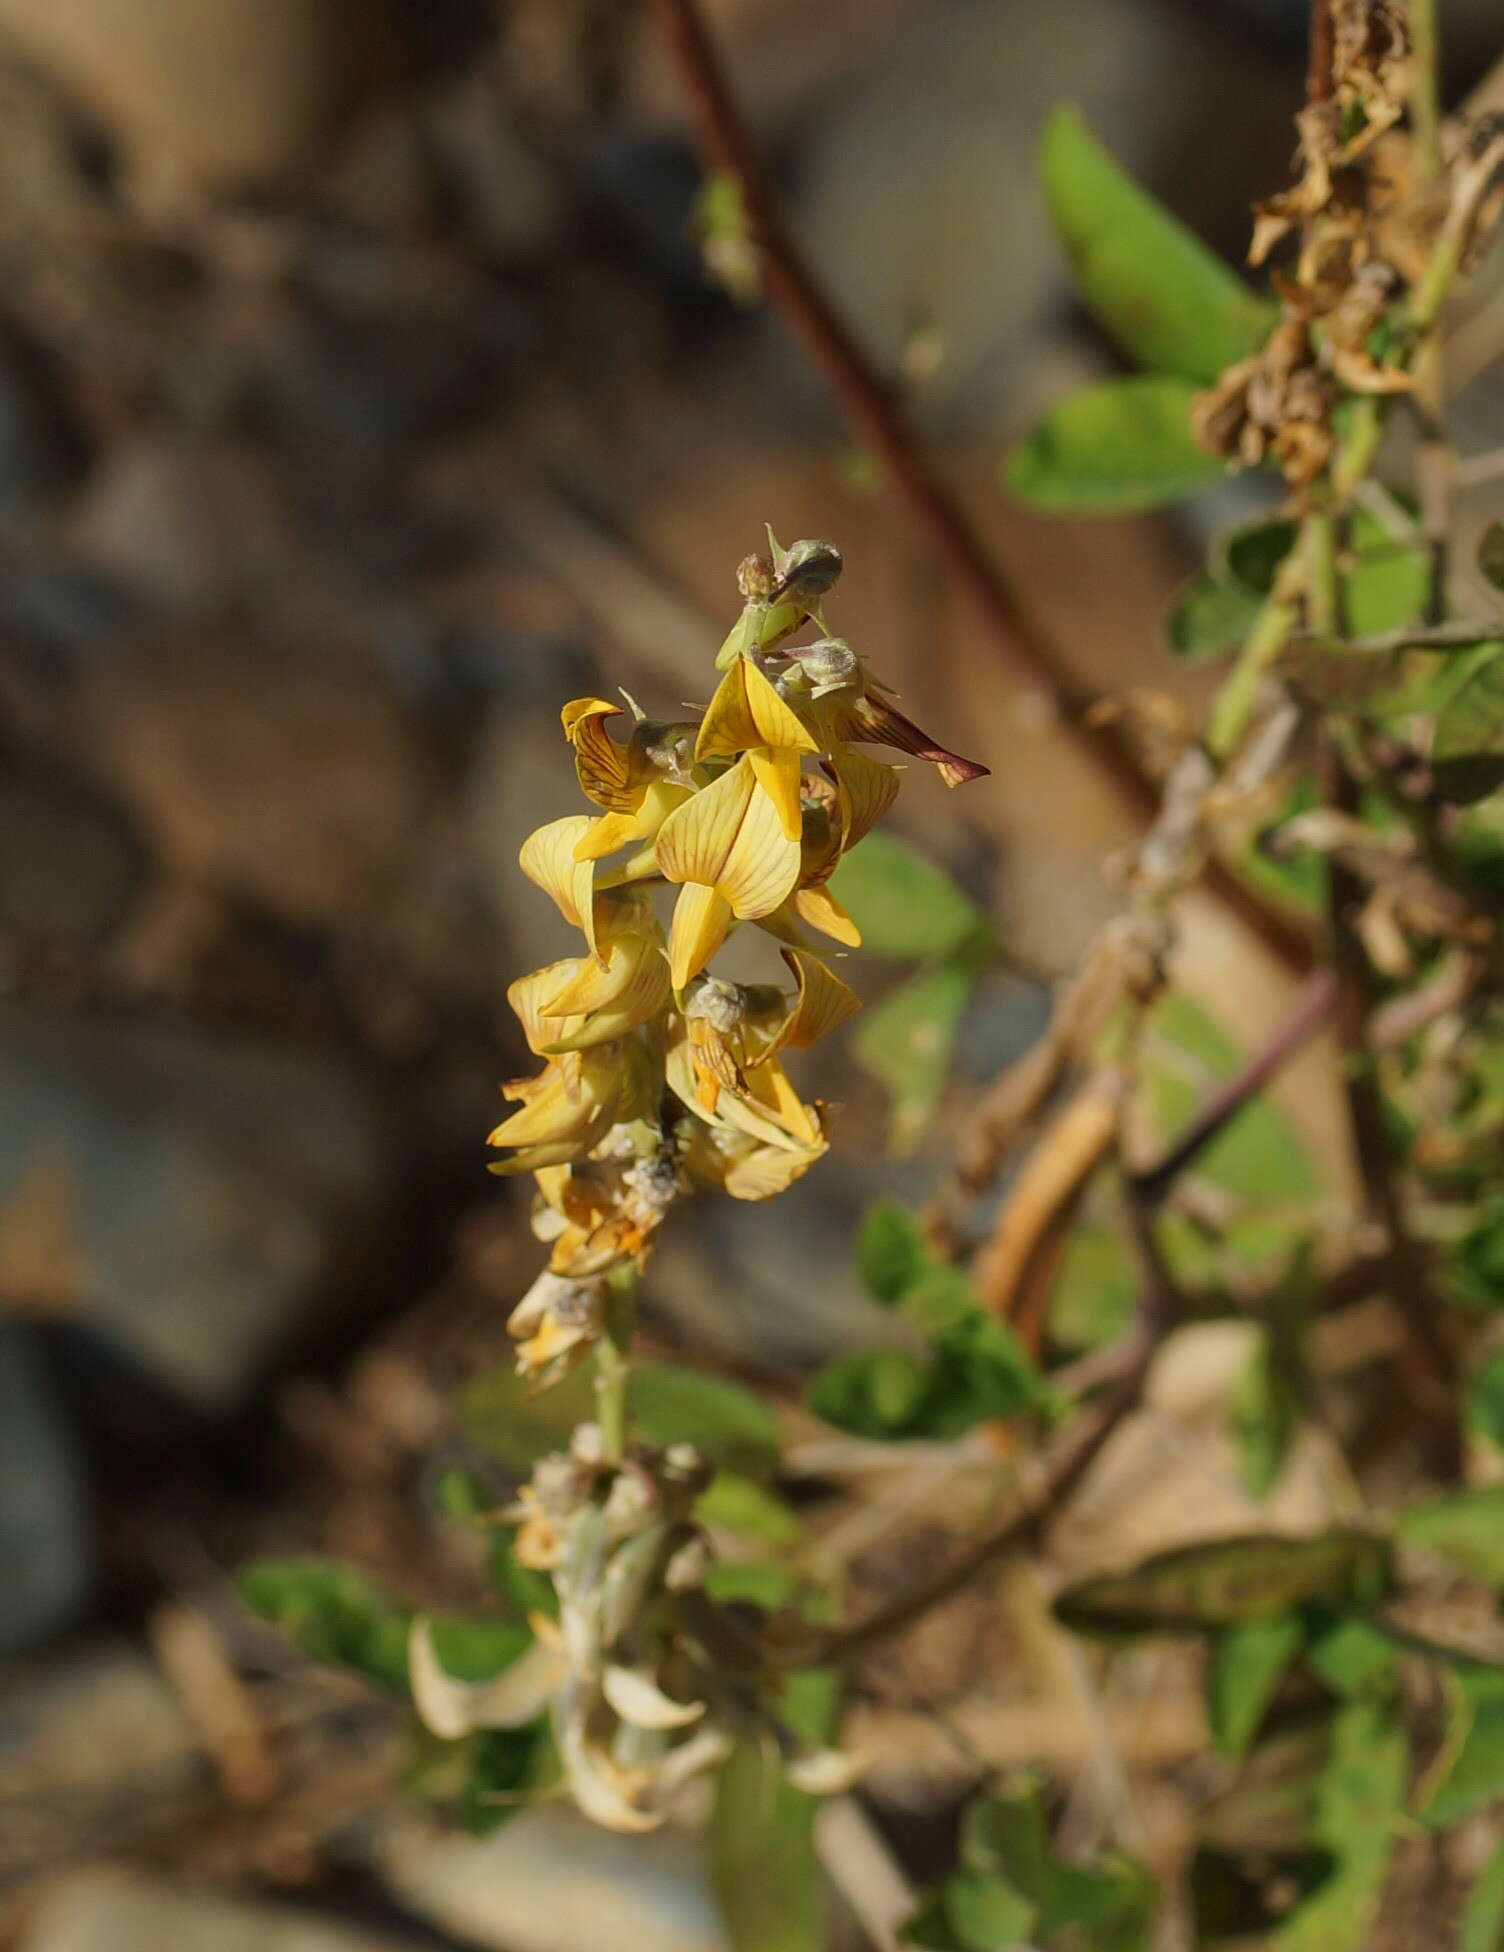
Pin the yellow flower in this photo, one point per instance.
(746, 715)
(728, 845)
(638, 784)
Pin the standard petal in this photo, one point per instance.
(695, 842)
(702, 921)
(763, 865)
(745, 712)
(602, 766)
(776, 770)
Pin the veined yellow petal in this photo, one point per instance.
(702, 921)
(637, 975)
(763, 865)
(529, 993)
(769, 1085)
(776, 770)
(768, 1170)
(746, 711)
(695, 842)
(591, 983)
(547, 859)
(602, 766)
(824, 1001)
(865, 789)
(819, 907)
(653, 806)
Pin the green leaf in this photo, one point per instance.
(1005, 1848)
(501, 1767)
(941, 1299)
(1361, 1802)
(762, 1838)
(971, 1913)
(1491, 554)
(1474, 1742)
(1257, 1154)
(1247, 1665)
(905, 1041)
(1485, 1399)
(1229, 1582)
(473, 1649)
(732, 1503)
(1384, 588)
(1266, 1413)
(873, 1393)
(1476, 1264)
(1095, 1291)
(1211, 615)
(1483, 1919)
(905, 906)
(334, 1614)
(1466, 1528)
(1157, 292)
(891, 1250)
(1354, 1657)
(1467, 753)
(974, 1372)
(1113, 447)
(671, 1404)
(525, 1589)
(755, 1582)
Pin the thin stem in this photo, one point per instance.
(1311, 1011)
(1262, 649)
(1459, 636)
(1022, 1527)
(1425, 88)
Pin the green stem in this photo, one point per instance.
(1262, 649)
(1425, 91)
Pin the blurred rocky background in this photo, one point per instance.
(362, 396)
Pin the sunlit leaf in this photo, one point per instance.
(891, 1250)
(1229, 1582)
(1483, 1919)
(732, 1503)
(1467, 754)
(906, 1040)
(1166, 301)
(334, 1614)
(1247, 1665)
(1360, 1804)
(905, 906)
(1466, 1528)
(1119, 445)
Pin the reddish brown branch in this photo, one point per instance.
(876, 414)
(1316, 1001)
(1322, 48)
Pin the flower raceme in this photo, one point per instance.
(659, 1075)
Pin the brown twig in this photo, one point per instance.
(1322, 48)
(1315, 1004)
(877, 416)
(1411, 1283)
(1021, 1528)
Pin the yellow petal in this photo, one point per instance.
(654, 804)
(819, 907)
(529, 993)
(557, 1106)
(767, 1170)
(547, 858)
(865, 789)
(776, 770)
(702, 921)
(745, 712)
(769, 1085)
(763, 866)
(597, 1005)
(824, 1001)
(695, 842)
(602, 766)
